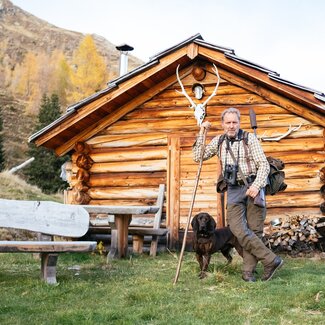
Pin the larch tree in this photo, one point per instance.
(89, 73)
(45, 170)
(60, 77)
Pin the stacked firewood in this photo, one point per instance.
(296, 234)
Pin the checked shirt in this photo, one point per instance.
(258, 163)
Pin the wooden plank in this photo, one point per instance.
(44, 216)
(121, 193)
(49, 247)
(123, 210)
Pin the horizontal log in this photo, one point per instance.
(187, 197)
(126, 179)
(147, 113)
(234, 99)
(206, 174)
(99, 193)
(294, 199)
(114, 141)
(305, 131)
(127, 154)
(302, 170)
(304, 144)
(203, 183)
(306, 185)
(298, 157)
(169, 125)
(223, 89)
(291, 172)
(128, 166)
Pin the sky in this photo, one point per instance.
(286, 36)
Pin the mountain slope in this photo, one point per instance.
(23, 35)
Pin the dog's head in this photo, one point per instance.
(203, 224)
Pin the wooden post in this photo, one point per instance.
(173, 194)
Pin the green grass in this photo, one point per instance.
(140, 290)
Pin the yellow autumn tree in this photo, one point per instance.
(59, 79)
(89, 73)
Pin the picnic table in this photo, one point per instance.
(119, 218)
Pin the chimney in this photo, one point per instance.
(124, 50)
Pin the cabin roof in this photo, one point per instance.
(87, 116)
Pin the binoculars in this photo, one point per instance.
(230, 174)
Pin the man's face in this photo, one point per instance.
(231, 124)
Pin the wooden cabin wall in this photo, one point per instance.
(152, 145)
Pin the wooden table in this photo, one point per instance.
(122, 219)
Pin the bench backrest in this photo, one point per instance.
(44, 216)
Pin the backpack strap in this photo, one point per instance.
(245, 143)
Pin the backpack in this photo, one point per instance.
(275, 180)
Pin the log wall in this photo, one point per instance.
(152, 145)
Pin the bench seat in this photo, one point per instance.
(47, 246)
(49, 251)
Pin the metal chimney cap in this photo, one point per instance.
(124, 47)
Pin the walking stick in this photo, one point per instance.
(191, 208)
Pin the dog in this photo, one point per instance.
(208, 240)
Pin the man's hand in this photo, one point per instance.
(205, 126)
(252, 191)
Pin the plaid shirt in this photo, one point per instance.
(258, 163)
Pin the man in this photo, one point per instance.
(245, 219)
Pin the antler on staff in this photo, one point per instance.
(216, 87)
(193, 105)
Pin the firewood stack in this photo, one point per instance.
(294, 235)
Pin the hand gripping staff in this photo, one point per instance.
(191, 208)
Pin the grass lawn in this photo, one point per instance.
(140, 290)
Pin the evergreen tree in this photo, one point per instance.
(45, 170)
(2, 154)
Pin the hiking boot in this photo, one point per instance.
(270, 269)
(248, 276)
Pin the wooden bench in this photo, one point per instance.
(140, 226)
(138, 232)
(51, 219)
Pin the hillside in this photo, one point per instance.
(24, 36)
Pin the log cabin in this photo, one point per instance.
(138, 133)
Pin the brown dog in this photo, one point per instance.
(208, 240)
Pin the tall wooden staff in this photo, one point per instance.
(191, 208)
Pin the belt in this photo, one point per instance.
(249, 179)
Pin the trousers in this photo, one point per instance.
(246, 221)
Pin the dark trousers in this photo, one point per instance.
(246, 221)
